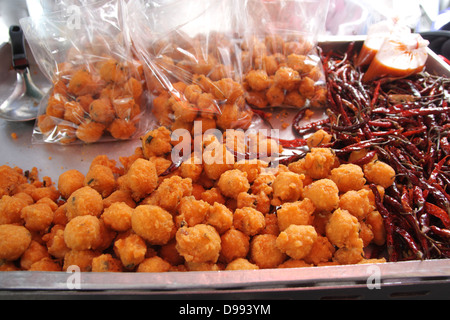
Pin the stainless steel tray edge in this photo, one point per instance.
(334, 276)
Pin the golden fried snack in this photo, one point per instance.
(54, 240)
(376, 223)
(233, 182)
(141, 179)
(220, 217)
(84, 201)
(14, 241)
(83, 233)
(292, 263)
(154, 264)
(265, 253)
(322, 251)
(348, 177)
(342, 229)
(46, 264)
(191, 168)
(248, 220)
(379, 173)
(69, 182)
(118, 216)
(89, 132)
(298, 213)
(81, 259)
(153, 224)
(357, 203)
(119, 196)
(318, 139)
(324, 194)
(170, 192)
(34, 253)
(297, 241)
(241, 264)
(317, 164)
(169, 253)
(192, 212)
(199, 244)
(101, 178)
(37, 217)
(130, 249)
(156, 142)
(288, 186)
(10, 179)
(235, 245)
(10, 208)
(106, 263)
(121, 129)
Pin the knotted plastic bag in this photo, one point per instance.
(98, 85)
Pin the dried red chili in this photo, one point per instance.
(405, 123)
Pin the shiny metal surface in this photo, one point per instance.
(23, 103)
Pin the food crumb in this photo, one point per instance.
(14, 136)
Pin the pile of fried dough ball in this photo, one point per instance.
(142, 217)
(281, 72)
(88, 103)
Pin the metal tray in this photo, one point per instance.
(404, 280)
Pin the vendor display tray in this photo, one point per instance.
(414, 279)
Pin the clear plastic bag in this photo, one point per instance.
(98, 92)
(281, 63)
(191, 59)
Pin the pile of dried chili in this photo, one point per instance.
(406, 123)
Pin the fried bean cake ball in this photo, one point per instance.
(264, 251)
(379, 173)
(34, 253)
(154, 264)
(342, 229)
(248, 220)
(324, 194)
(348, 177)
(317, 164)
(170, 192)
(297, 241)
(241, 264)
(37, 217)
(235, 245)
(84, 201)
(83, 233)
(287, 187)
(10, 208)
(220, 217)
(46, 264)
(152, 223)
(54, 240)
(10, 179)
(298, 213)
(69, 182)
(81, 259)
(322, 251)
(156, 142)
(141, 179)
(14, 241)
(131, 250)
(118, 216)
(192, 212)
(357, 203)
(101, 178)
(106, 263)
(233, 182)
(199, 244)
